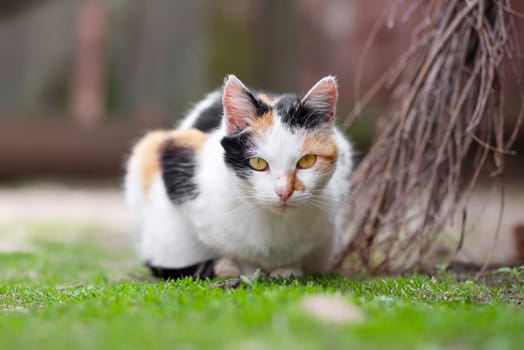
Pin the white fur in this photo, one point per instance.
(239, 219)
(238, 107)
(324, 90)
(239, 222)
(163, 237)
(197, 109)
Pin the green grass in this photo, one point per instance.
(78, 295)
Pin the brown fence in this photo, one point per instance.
(57, 148)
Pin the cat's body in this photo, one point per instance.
(253, 180)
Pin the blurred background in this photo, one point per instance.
(82, 80)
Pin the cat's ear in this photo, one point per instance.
(239, 104)
(322, 99)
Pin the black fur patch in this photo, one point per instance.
(237, 151)
(200, 270)
(260, 106)
(299, 115)
(210, 118)
(178, 170)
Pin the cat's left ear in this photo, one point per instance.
(322, 99)
(239, 104)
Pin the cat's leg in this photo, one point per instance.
(166, 239)
(226, 267)
(249, 269)
(322, 258)
(288, 271)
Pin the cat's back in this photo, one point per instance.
(172, 154)
(206, 115)
(162, 155)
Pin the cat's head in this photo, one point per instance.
(281, 147)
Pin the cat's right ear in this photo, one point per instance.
(239, 104)
(322, 100)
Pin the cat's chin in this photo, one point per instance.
(282, 209)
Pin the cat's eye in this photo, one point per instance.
(258, 164)
(307, 161)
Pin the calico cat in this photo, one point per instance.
(248, 181)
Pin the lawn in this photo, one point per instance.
(81, 294)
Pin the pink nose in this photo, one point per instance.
(283, 193)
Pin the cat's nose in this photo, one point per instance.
(283, 193)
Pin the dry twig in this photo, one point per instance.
(446, 109)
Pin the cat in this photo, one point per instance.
(248, 181)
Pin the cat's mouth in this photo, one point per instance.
(284, 207)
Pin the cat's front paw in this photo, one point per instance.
(226, 267)
(287, 272)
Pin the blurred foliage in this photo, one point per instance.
(231, 47)
(11, 8)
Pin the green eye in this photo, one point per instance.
(258, 164)
(306, 161)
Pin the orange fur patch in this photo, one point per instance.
(323, 146)
(265, 98)
(263, 122)
(192, 138)
(147, 151)
(294, 183)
